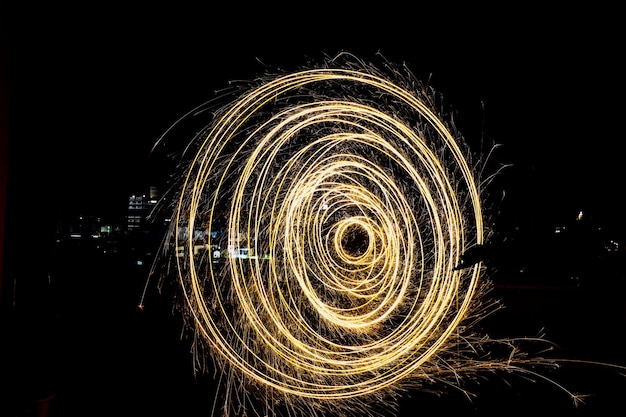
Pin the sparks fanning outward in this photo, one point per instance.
(316, 233)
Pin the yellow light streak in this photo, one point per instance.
(358, 198)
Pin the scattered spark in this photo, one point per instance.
(335, 204)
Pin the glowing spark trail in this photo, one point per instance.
(331, 206)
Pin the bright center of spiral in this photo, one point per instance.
(354, 239)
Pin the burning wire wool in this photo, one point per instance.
(317, 229)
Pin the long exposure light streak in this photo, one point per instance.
(334, 203)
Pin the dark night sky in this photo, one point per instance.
(92, 89)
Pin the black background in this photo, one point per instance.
(92, 87)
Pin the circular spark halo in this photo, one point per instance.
(354, 201)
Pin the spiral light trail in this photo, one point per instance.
(355, 202)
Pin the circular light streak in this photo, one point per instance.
(354, 201)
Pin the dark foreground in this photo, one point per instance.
(86, 349)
